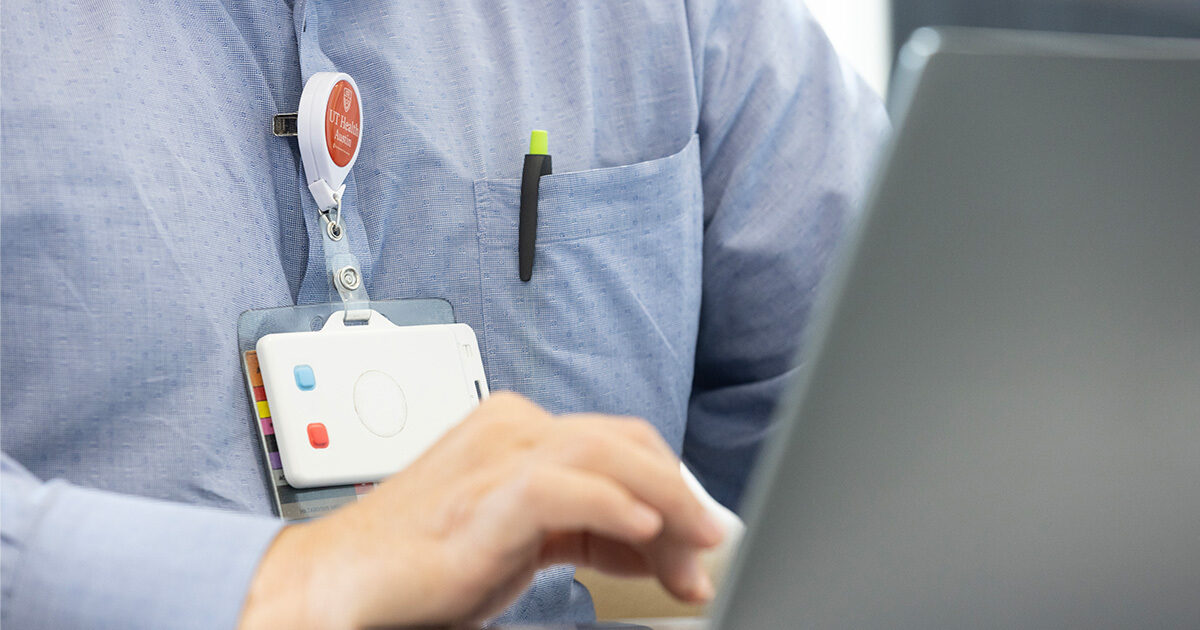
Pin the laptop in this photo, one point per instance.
(997, 419)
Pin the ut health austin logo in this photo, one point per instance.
(347, 96)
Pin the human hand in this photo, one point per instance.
(458, 534)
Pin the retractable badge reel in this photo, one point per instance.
(328, 127)
(367, 387)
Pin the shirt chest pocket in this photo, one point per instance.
(608, 322)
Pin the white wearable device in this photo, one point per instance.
(354, 404)
(329, 129)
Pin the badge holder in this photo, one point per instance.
(348, 392)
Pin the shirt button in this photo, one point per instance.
(317, 435)
(305, 379)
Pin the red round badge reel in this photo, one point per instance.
(329, 130)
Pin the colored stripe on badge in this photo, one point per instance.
(291, 504)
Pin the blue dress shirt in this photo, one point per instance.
(707, 157)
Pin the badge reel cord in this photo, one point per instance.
(328, 127)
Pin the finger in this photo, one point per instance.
(592, 445)
(637, 430)
(502, 424)
(510, 406)
(597, 552)
(552, 499)
(680, 571)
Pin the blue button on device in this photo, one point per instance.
(305, 379)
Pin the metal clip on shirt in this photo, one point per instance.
(328, 127)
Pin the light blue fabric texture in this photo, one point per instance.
(707, 156)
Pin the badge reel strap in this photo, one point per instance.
(328, 127)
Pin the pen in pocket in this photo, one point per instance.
(537, 163)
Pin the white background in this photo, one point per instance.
(861, 32)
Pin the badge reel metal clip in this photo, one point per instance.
(349, 392)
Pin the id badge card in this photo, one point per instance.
(340, 406)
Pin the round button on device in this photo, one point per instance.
(380, 403)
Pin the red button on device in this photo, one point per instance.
(317, 435)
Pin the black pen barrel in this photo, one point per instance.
(536, 165)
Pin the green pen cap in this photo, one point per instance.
(539, 142)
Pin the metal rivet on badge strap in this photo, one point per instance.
(333, 227)
(347, 278)
(333, 230)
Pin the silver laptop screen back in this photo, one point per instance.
(998, 421)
